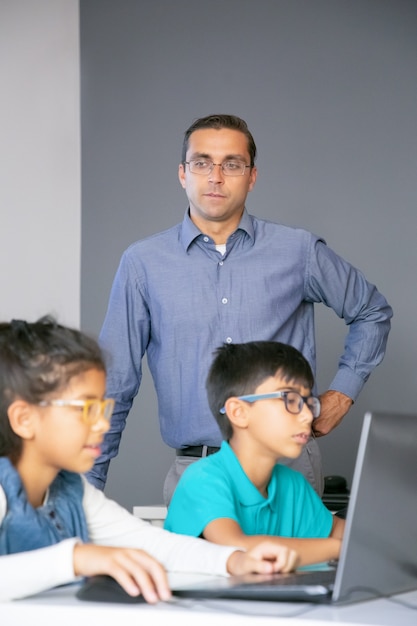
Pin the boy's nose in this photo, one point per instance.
(306, 416)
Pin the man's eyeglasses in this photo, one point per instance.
(230, 167)
(293, 400)
(92, 410)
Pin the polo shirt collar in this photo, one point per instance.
(248, 494)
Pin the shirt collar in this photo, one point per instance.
(189, 230)
(249, 494)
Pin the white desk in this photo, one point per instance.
(60, 607)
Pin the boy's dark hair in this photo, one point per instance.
(37, 359)
(239, 368)
(217, 122)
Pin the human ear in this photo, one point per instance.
(237, 413)
(252, 178)
(181, 175)
(20, 415)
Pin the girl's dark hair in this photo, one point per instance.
(37, 359)
(218, 122)
(238, 369)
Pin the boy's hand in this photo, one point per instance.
(135, 570)
(265, 558)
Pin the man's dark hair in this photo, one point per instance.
(239, 368)
(217, 122)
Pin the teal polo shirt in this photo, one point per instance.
(216, 486)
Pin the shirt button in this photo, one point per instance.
(228, 340)
(224, 300)
(220, 262)
(205, 239)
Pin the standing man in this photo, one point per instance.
(224, 276)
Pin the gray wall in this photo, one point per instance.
(328, 88)
(40, 199)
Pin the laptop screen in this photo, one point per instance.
(379, 551)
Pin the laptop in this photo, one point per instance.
(379, 549)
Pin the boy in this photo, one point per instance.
(260, 395)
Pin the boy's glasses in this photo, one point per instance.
(293, 400)
(92, 410)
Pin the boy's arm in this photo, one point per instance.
(226, 531)
(338, 528)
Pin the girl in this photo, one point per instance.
(54, 525)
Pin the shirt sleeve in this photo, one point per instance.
(336, 283)
(27, 573)
(110, 524)
(123, 339)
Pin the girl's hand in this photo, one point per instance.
(267, 557)
(135, 570)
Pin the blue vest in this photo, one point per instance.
(27, 528)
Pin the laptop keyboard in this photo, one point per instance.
(313, 577)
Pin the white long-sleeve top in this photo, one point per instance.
(109, 524)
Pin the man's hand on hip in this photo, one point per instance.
(334, 406)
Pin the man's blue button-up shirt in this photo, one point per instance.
(177, 298)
